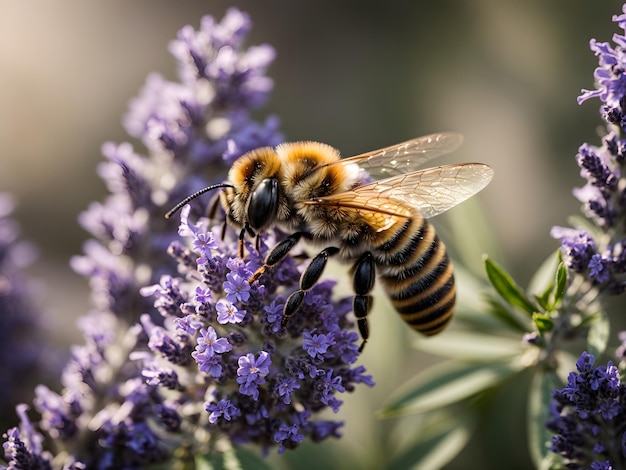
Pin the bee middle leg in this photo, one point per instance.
(309, 278)
(363, 283)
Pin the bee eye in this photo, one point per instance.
(263, 204)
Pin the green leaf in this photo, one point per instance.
(470, 290)
(437, 451)
(443, 384)
(543, 278)
(598, 334)
(507, 288)
(539, 437)
(468, 246)
(543, 322)
(508, 316)
(554, 290)
(544, 299)
(471, 347)
(560, 285)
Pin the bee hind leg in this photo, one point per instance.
(364, 277)
(309, 278)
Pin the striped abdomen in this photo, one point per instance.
(416, 273)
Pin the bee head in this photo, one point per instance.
(255, 198)
(263, 204)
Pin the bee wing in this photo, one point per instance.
(407, 156)
(430, 191)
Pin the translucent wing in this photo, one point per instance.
(430, 191)
(378, 211)
(405, 157)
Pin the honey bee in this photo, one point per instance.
(380, 225)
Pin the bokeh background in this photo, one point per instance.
(356, 74)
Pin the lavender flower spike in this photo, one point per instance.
(181, 351)
(20, 342)
(113, 410)
(598, 251)
(588, 417)
(264, 383)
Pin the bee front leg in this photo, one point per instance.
(364, 277)
(242, 235)
(278, 253)
(309, 278)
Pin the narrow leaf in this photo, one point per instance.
(507, 288)
(471, 346)
(444, 384)
(543, 278)
(543, 322)
(539, 437)
(560, 284)
(508, 316)
(437, 451)
(544, 299)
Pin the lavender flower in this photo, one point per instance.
(588, 417)
(598, 251)
(205, 118)
(263, 382)
(110, 413)
(23, 446)
(105, 417)
(20, 341)
(188, 126)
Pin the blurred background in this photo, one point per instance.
(354, 74)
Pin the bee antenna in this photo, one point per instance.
(178, 206)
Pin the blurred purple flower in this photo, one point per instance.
(598, 250)
(22, 342)
(110, 413)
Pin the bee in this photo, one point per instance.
(370, 210)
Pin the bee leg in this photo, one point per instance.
(278, 253)
(309, 278)
(224, 225)
(364, 277)
(213, 209)
(242, 236)
(361, 306)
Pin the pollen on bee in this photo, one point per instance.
(300, 159)
(255, 165)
